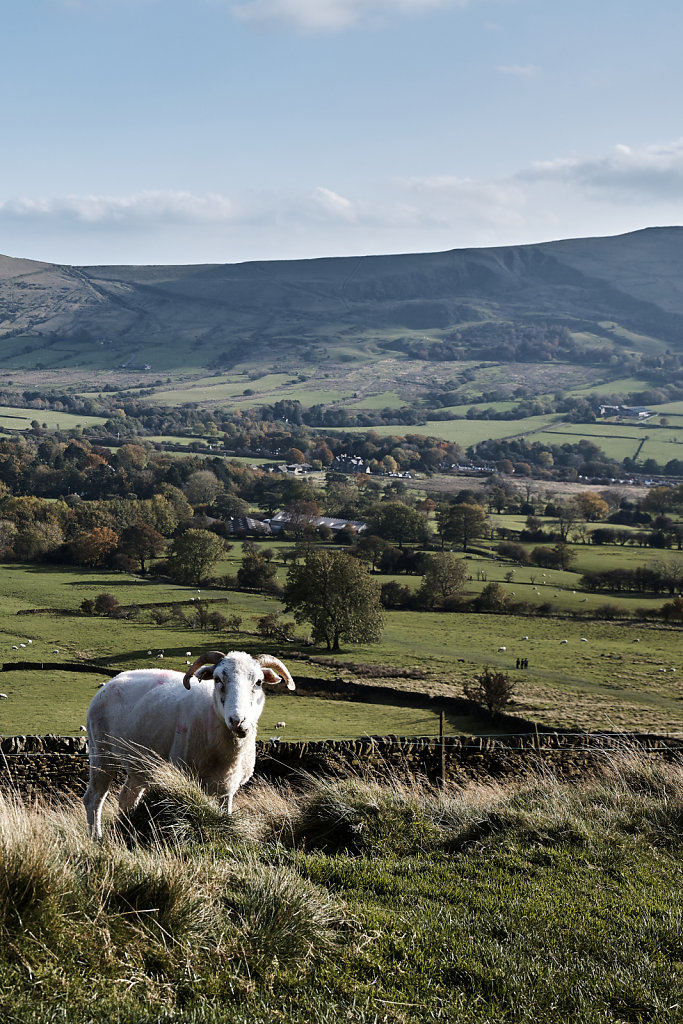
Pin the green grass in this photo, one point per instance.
(21, 419)
(606, 683)
(620, 440)
(468, 432)
(619, 385)
(539, 900)
(383, 400)
(209, 389)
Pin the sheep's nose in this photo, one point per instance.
(235, 722)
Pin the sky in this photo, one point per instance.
(221, 131)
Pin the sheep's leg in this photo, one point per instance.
(94, 797)
(130, 794)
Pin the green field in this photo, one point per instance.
(467, 432)
(608, 386)
(603, 681)
(21, 419)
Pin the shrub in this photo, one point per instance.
(106, 604)
(494, 690)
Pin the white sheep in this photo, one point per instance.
(502, 648)
(3, 696)
(211, 731)
(281, 725)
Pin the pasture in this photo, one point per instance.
(603, 681)
(467, 432)
(17, 418)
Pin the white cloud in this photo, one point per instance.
(147, 207)
(332, 202)
(563, 197)
(649, 173)
(328, 15)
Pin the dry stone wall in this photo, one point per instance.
(51, 766)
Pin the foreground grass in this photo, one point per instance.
(351, 900)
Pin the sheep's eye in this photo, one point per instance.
(257, 684)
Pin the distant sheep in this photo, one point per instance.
(211, 730)
(280, 725)
(3, 696)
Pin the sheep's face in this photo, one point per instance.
(238, 692)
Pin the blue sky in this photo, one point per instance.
(204, 131)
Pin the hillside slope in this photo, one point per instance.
(205, 315)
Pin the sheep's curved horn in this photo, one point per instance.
(268, 661)
(210, 658)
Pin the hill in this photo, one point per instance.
(608, 290)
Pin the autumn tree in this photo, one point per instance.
(336, 595)
(141, 542)
(590, 506)
(93, 548)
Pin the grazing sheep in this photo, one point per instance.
(502, 648)
(3, 696)
(211, 730)
(281, 725)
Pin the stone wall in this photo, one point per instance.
(54, 765)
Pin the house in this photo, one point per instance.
(280, 521)
(241, 526)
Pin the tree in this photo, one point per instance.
(256, 571)
(393, 520)
(460, 523)
(141, 542)
(202, 487)
(194, 554)
(590, 506)
(336, 594)
(444, 576)
(93, 548)
(494, 690)
(369, 548)
(300, 517)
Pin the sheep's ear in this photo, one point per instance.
(271, 677)
(206, 672)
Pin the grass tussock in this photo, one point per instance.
(401, 902)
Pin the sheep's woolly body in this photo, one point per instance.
(209, 728)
